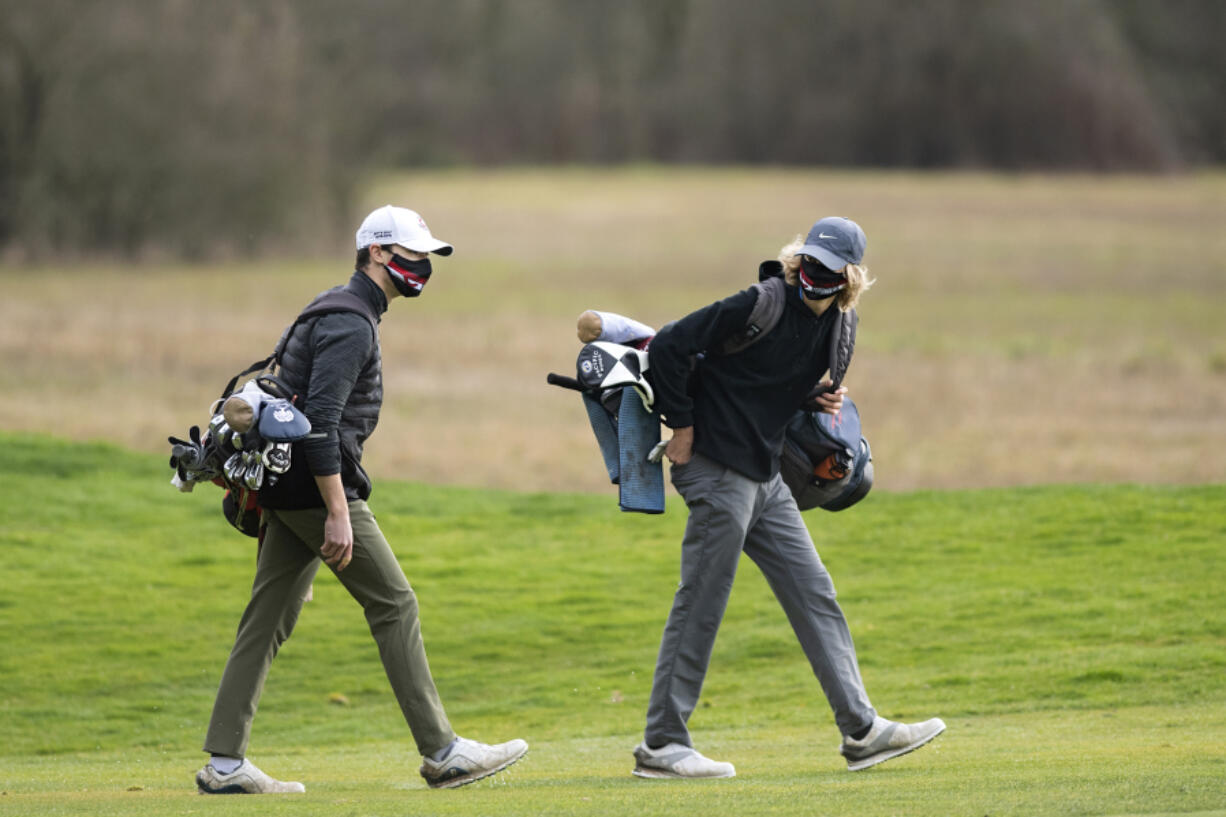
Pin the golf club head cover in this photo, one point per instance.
(602, 366)
(243, 407)
(281, 421)
(276, 457)
(617, 328)
(641, 487)
(604, 426)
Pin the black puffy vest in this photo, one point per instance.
(360, 415)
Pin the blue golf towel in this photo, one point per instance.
(625, 443)
(605, 429)
(641, 486)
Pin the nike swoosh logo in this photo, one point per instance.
(823, 235)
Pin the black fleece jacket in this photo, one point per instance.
(740, 404)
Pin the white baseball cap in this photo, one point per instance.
(398, 225)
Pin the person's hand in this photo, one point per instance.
(337, 549)
(830, 402)
(681, 447)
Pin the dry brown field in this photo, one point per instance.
(1023, 329)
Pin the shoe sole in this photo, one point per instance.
(456, 782)
(882, 757)
(232, 788)
(662, 774)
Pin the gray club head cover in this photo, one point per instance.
(281, 421)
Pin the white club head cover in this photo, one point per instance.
(612, 365)
(617, 328)
(242, 408)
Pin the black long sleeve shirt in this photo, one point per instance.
(740, 404)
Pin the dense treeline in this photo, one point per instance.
(194, 125)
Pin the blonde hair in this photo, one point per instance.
(858, 281)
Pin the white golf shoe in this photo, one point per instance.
(888, 739)
(677, 760)
(469, 761)
(246, 779)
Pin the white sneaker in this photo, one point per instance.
(469, 761)
(677, 760)
(246, 779)
(888, 739)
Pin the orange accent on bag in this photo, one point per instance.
(830, 468)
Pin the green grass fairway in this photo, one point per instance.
(1072, 637)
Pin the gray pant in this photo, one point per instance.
(289, 557)
(729, 513)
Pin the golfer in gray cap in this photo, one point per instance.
(728, 413)
(317, 511)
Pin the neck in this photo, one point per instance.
(382, 279)
(818, 307)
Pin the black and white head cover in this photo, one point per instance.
(603, 365)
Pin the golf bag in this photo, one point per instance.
(618, 399)
(826, 462)
(248, 443)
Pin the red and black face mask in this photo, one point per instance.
(409, 277)
(818, 281)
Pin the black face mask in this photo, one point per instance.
(410, 277)
(817, 281)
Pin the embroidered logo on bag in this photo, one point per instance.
(282, 415)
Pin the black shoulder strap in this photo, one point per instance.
(763, 318)
(842, 344)
(337, 299)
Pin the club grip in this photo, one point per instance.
(564, 381)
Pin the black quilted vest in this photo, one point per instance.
(360, 415)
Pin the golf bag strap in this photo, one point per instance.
(767, 311)
(338, 299)
(258, 366)
(765, 315)
(842, 345)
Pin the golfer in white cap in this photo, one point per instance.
(317, 512)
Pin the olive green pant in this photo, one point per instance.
(288, 559)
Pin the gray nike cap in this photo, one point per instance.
(836, 242)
